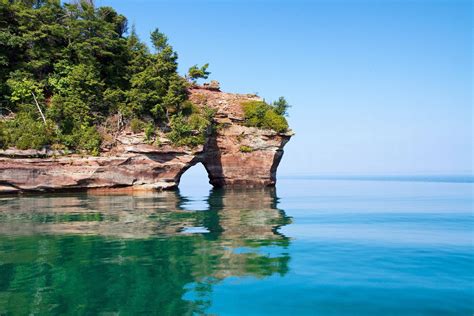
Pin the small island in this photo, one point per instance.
(86, 105)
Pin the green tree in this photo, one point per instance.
(157, 89)
(195, 73)
(281, 106)
(78, 94)
(262, 115)
(159, 40)
(85, 71)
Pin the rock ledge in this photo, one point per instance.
(142, 166)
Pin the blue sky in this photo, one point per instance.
(377, 87)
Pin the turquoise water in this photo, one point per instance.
(310, 247)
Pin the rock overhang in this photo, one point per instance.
(137, 165)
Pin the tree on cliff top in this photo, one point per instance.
(195, 73)
(281, 106)
(83, 68)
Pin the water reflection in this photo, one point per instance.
(129, 254)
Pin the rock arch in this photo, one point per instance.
(234, 155)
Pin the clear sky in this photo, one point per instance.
(377, 87)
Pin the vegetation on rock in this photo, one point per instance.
(137, 125)
(263, 115)
(195, 72)
(191, 130)
(245, 149)
(70, 71)
(82, 67)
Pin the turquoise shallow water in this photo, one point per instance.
(310, 247)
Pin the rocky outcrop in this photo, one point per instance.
(142, 167)
(233, 155)
(243, 156)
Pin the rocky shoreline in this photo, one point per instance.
(233, 155)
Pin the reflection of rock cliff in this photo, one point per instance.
(129, 252)
(249, 214)
(136, 164)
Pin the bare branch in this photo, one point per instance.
(39, 109)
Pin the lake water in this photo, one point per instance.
(312, 246)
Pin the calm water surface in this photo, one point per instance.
(310, 247)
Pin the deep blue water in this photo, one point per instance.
(311, 247)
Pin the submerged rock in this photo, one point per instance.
(233, 155)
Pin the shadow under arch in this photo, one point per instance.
(134, 253)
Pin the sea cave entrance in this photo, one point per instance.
(194, 188)
(195, 181)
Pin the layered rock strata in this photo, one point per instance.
(137, 165)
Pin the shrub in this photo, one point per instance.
(181, 132)
(84, 138)
(245, 149)
(149, 132)
(198, 122)
(191, 130)
(137, 125)
(188, 108)
(25, 132)
(22, 87)
(275, 121)
(254, 112)
(262, 115)
(90, 140)
(209, 113)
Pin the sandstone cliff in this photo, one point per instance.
(134, 164)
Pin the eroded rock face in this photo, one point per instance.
(227, 163)
(134, 168)
(136, 165)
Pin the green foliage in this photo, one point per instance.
(22, 88)
(78, 95)
(159, 40)
(281, 106)
(208, 113)
(191, 130)
(195, 72)
(245, 149)
(84, 138)
(115, 101)
(26, 132)
(82, 68)
(262, 115)
(149, 132)
(89, 140)
(254, 112)
(181, 133)
(137, 125)
(275, 121)
(187, 108)
(157, 89)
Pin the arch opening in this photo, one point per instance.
(195, 181)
